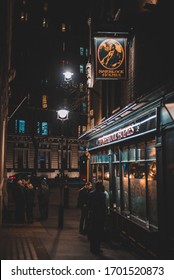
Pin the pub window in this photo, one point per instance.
(117, 186)
(132, 153)
(152, 193)
(116, 154)
(106, 176)
(141, 151)
(151, 151)
(125, 154)
(138, 190)
(99, 172)
(105, 156)
(94, 173)
(125, 190)
(138, 183)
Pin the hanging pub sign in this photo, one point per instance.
(110, 58)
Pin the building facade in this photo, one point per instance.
(131, 131)
(7, 74)
(46, 44)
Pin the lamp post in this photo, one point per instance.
(68, 83)
(62, 115)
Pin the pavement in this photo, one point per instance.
(47, 241)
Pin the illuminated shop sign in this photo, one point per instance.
(121, 133)
(143, 126)
(110, 58)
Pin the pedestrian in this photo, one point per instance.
(97, 211)
(82, 201)
(30, 195)
(57, 180)
(107, 200)
(20, 202)
(43, 199)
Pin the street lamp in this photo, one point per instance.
(68, 76)
(62, 115)
(68, 83)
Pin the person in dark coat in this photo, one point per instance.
(82, 201)
(43, 199)
(29, 195)
(97, 210)
(20, 202)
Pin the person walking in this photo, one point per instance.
(29, 195)
(20, 202)
(43, 199)
(97, 211)
(82, 201)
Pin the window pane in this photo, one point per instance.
(106, 177)
(125, 154)
(16, 126)
(117, 184)
(38, 127)
(99, 173)
(138, 190)
(86, 52)
(81, 68)
(141, 151)
(44, 128)
(105, 156)
(151, 150)
(94, 173)
(21, 126)
(132, 153)
(152, 193)
(125, 187)
(81, 51)
(116, 154)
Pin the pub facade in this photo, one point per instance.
(131, 152)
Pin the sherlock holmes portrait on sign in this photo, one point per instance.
(110, 58)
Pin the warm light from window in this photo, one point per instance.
(63, 28)
(24, 16)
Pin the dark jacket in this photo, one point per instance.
(43, 193)
(97, 207)
(82, 199)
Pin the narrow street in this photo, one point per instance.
(45, 241)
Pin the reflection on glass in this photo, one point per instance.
(116, 154)
(125, 154)
(106, 176)
(125, 186)
(151, 150)
(94, 173)
(117, 185)
(141, 151)
(151, 171)
(138, 190)
(99, 172)
(132, 153)
(152, 193)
